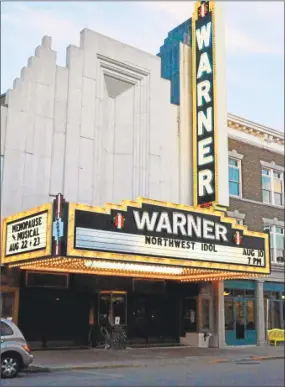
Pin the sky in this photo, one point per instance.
(254, 36)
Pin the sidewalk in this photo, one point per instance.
(58, 360)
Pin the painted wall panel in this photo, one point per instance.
(85, 170)
(57, 163)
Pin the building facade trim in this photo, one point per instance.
(236, 214)
(257, 142)
(256, 202)
(244, 125)
(233, 153)
(272, 165)
(273, 222)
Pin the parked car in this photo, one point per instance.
(15, 353)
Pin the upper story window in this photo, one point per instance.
(272, 187)
(234, 177)
(276, 243)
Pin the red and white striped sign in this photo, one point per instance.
(119, 221)
(203, 9)
(237, 238)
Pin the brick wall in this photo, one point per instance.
(251, 185)
(251, 167)
(255, 212)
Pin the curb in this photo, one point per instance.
(216, 361)
(267, 357)
(38, 369)
(42, 369)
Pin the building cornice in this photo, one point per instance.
(272, 165)
(273, 222)
(263, 132)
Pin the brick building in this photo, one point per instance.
(256, 188)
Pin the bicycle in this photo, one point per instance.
(120, 341)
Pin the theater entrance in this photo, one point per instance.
(148, 312)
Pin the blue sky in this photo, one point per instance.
(255, 42)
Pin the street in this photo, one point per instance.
(250, 373)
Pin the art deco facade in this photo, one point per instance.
(109, 127)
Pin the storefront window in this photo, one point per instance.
(250, 315)
(7, 304)
(275, 317)
(105, 311)
(119, 309)
(272, 307)
(249, 293)
(229, 314)
(239, 292)
(112, 306)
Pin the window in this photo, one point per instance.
(272, 187)
(47, 280)
(229, 315)
(274, 317)
(276, 243)
(5, 329)
(113, 307)
(119, 309)
(234, 177)
(274, 304)
(250, 315)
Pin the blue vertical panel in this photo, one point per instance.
(170, 56)
(175, 89)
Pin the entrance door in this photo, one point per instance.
(148, 321)
(240, 318)
(242, 331)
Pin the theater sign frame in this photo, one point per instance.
(150, 259)
(41, 253)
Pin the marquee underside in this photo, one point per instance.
(102, 267)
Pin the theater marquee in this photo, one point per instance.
(165, 233)
(27, 235)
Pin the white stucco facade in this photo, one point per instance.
(102, 129)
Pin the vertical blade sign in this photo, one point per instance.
(204, 104)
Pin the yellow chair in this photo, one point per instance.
(276, 335)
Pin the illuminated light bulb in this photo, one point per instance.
(133, 267)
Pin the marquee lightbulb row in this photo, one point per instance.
(63, 264)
